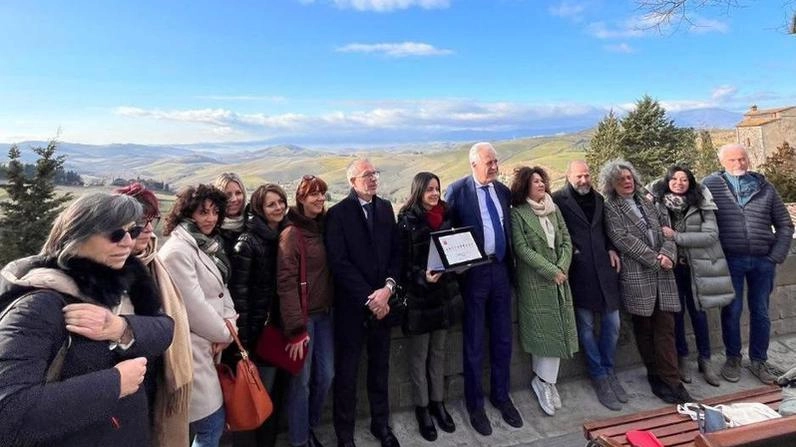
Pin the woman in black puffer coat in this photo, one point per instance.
(253, 288)
(431, 302)
(86, 295)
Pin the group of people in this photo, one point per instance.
(108, 339)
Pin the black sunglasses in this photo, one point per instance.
(116, 236)
(155, 220)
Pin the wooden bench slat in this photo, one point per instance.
(772, 432)
(739, 396)
(672, 428)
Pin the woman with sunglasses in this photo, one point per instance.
(307, 323)
(195, 259)
(81, 319)
(234, 222)
(168, 381)
(253, 287)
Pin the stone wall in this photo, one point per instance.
(783, 321)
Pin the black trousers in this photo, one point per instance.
(352, 332)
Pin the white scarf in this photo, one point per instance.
(543, 210)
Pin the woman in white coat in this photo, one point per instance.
(195, 258)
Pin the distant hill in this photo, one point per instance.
(285, 164)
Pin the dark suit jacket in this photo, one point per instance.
(360, 263)
(594, 283)
(463, 204)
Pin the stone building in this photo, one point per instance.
(763, 130)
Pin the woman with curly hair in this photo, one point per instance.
(543, 250)
(195, 258)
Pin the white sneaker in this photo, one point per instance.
(556, 396)
(544, 394)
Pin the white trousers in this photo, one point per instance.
(546, 368)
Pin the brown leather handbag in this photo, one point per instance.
(246, 401)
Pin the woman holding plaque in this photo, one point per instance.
(430, 296)
(543, 251)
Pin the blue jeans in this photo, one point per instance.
(208, 430)
(600, 351)
(758, 271)
(306, 392)
(699, 318)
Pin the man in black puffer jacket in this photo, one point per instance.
(748, 207)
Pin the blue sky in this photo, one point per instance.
(368, 71)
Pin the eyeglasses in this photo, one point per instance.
(116, 236)
(308, 178)
(371, 175)
(154, 220)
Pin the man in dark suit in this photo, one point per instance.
(363, 250)
(596, 289)
(482, 202)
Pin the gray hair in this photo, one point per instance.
(611, 171)
(91, 214)
(353, 168)
(476, 148)
(225, 178)
(729, 146)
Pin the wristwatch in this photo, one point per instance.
(390, 284)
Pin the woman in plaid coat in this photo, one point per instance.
(647, 282)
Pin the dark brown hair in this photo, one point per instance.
(189, 199)
(520, 184)
(258, 197)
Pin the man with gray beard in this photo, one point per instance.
(595, 285)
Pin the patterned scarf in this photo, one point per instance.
(677, 206)
(211, 246)
(234, 223)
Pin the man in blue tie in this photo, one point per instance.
(482, 202)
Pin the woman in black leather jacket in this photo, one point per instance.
(430, 302)
(253, 288)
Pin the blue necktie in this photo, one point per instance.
(500, 238)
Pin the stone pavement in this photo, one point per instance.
(563, 429)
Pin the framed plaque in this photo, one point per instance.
(454, 250)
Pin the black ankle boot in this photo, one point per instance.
(425, 424)
(444, 419)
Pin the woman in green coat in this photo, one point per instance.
(543, 251)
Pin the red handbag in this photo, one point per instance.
(271, 346)
(246, 401)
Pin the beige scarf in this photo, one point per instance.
(174, 382)
(542, 210)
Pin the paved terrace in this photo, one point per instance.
(580, 403)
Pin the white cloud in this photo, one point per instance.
(403, 49)
(243, 98)
(388, 5)
(408, 116)
(626, 29)
(723, 92)
(651, 24)
(701, 25)
(620, 48)
(568, 10)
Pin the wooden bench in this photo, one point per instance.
(775, 432)
(672, 428)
